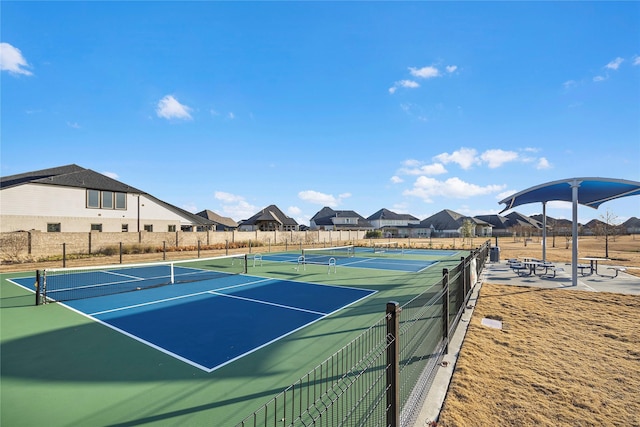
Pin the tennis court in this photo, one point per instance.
(144, 357)
(380, 258)
(206, 322)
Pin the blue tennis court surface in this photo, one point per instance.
(380, 263)
(213, 322)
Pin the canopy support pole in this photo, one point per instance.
(574, 232)
(544, 231)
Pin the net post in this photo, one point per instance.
(198, 248)
(37, 285)
(64, 255)
(120, 252)
(173, 279)
(245, 270)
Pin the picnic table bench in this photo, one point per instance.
(617, 270)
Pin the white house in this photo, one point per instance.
(329, 219)
(74, 199)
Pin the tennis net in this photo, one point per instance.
(381, 247)
(65, 284)
(323, 255)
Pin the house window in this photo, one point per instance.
(53, 227)
(148, 227)
(121, 201)
(172, 229)
(96, 227)
(107, 200)
(125, 228)
(93, 199)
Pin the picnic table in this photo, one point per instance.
(593, 263)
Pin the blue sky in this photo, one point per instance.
(410, 106)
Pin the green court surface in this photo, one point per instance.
(60, 368)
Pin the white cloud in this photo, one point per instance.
(396, 179)
(464, 157)
(412, 162)
(451, 68)
(169, 108)
(111, 175)
(496, 158)
(424, 72)
(427, 188)
(323, 199)
(543, 163)
(190, 207)
(613, 65)
(504, 194)
(227, 197)
(73, 125)
(11, 60)
(569, 84)
(408, 84)
(600, 78)
(431, 169)
(636, 60)
(231, 116)
(235, 206)
(294, 211)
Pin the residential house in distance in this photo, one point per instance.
(329, 220)
(512, 224)
(392, 224)
(631, 226)
(558, 227)
(222, 223)
(270, 218)
(448, 223)
(75, 199)
(500, 225)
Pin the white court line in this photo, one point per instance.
(288, 307)
(160, 301)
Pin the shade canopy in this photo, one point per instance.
(592, 192)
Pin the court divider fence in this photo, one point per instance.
(382, 377)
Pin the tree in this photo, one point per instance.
(467, 229)
(610, 222)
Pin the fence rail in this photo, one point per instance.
(381, 377)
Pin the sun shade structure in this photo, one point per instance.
(590, 192)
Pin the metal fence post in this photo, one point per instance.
(120, 252)
(445, 309)
(64, 255)
(465, 282)
(393, 364)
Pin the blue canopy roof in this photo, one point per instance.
(592, 192)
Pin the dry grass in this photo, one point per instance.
(563, 358)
